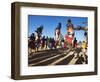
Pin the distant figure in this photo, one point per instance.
(32, 36)
(86, 36)
(84, 45)
(84, 51)
(31, 44)
(50, 43)
(46, 43)
(43, 43)
(62, 43)
(37, 40)
(53, 43)
(75, 43)
(38, 35)
(58, 35)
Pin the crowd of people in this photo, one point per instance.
(37, 42)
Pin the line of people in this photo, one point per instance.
(44, 43)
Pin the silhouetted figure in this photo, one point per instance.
(75, 43)
(85, 34)
(31, 43)
(53, 43)
(32, 36)
(50, 43)
(43, 42)
(46, 42)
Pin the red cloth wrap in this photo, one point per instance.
(69, 39)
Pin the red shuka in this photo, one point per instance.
(69, 39)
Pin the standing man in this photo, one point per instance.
(58, 36)
(70, 34)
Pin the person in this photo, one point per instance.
(46, 42)
(31, 44)
(83, 46)
(70, 34)
(43, 43)
(58, 36)
(75, 43)
(37, 40)
(53, 43)
(84, 51)
(86, 36)
(62, 43)
(50, 43)
(32, 36)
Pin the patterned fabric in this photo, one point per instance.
(69, 39)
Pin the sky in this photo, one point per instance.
(50, 23)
